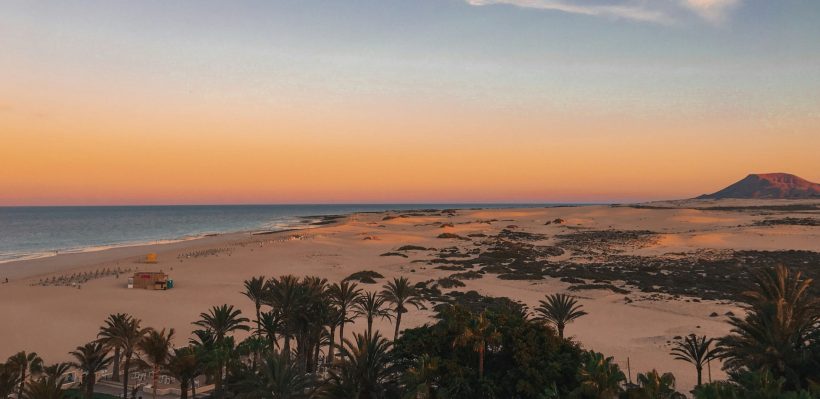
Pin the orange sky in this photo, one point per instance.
(80, 153)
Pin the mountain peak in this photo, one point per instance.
(769, 186)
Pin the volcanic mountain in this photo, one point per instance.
(769, 186)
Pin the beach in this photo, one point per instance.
(635, 317)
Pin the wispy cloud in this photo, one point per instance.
(627, 11)
(714, 11)
(656, 11)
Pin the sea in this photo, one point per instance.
(33, 232)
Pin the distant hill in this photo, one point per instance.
(769, 186)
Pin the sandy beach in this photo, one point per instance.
(625, 322)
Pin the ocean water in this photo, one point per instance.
(29, 232)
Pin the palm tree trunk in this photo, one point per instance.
(560, 330)
(91, 378)
(22, 382)
(307, 353)
(116, 371)
(481, 362)
(126, 366)
(258, 322)
(218, 387)
(193, 388)
(315, 365)
(342, 330)
(156, 380)
(700, 372)
(398, 323)
(332, 346)
(183, 389)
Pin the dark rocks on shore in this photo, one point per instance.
(789, 221)
(468, 275)
(507, 234)
(449, 282)
(604, 241)
(364, 276)
(451, 235)
(573, 280)
(414, 248)
(394, 254)
(600, 286)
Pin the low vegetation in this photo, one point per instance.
(364, 276)
(452, 236)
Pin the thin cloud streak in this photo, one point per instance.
(714, 11)
(658, 11)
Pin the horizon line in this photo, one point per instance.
(327, 204)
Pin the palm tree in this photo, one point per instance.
(600, 376)
(364, 368)
(560, 310)
(283, 295)
(26, 364)
(252, 347)
(779, 331)
(371, 305)
(126, 334)
(695, 350)
(344, 296)
(184, 365)
(278, 378)
(308, 323)
(420, 380)
(221, 321)
(334, 320)
(113, 324)
(56, 370)
(271, 326)
(478, 333)
(91, 359)
(657, 386)
(8, 380)
(204, 344)
(45, 387)
(255, 291)
(401, 294)
(156, 349)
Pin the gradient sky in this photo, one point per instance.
(164, 102)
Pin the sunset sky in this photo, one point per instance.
(289, 101)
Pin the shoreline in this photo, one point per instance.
(305, 222)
